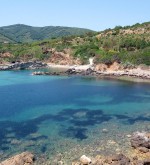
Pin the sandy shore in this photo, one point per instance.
(77, 67)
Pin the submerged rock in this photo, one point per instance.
(25, 158)
(105, 130)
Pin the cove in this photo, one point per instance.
(48, 115)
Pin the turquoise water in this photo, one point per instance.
(49, 115)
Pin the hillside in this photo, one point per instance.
(23, 33)
(127, 45)
(5, 39)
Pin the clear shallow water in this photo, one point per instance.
(49, 115)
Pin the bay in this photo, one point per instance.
(48, 115)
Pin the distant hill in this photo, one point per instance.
(25, 33)
(4, 39)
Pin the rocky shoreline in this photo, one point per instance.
(23, 65)
(139, 142)
(82, 70)
(133, 73)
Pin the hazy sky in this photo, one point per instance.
(92, 14)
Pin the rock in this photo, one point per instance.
(89, 71)
(76, 163)
(146, 162)
(120, 159)
(59, 157)
(101, 67)
(129, 136)
(71, 71)
(23, 65)
(63, 58)
(111, 142)
(38, 73)
(85, 160)
(25, 158)
(98, 160)
(60, 163)
(143, 149)
(6, 55)
(105, 130)
(115, 66)
(139, 139)
(142, 162)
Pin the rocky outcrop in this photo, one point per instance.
(118, 159)
(140, 139)
(140, 154)
(25, 158)
(6, 55)
(23, 65)
(63, 58)
(68, 72)
(38, 73)
(115, 66)
(135, 73)
(101, 67)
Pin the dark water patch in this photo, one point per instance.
(21, 129)
(137, 119)
(43, 137)
(122, 117)
(43, 149)
(81, 118)
(78, 133)
(78, 121)
(131, 120)
(4, 148)
(76, 118)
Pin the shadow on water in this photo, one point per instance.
(74, 123)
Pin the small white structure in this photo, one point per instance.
(91, 61)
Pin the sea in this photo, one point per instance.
(65, 117)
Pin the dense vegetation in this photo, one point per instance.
(23, 33)
(128, 45)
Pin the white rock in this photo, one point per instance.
(85, 160)
(104, 130)
(128, 136)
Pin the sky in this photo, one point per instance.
(92, 14)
